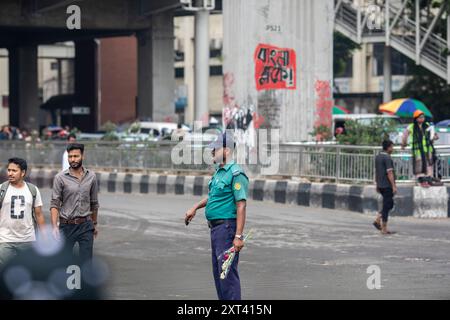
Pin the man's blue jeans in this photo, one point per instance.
(83, 234)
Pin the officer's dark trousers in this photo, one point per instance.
(222, 237)
(83, 234)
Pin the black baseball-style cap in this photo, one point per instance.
(224, 140)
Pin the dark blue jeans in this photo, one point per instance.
(388, 203)
(83, 234)
(222, 237)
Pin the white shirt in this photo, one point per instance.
(65, 161)
(16, 219)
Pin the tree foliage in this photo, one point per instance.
(373, 134)
(343, 49)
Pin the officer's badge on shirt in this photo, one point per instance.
(237, 186)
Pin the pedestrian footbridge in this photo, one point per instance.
(397, 23)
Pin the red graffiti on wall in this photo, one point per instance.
(275, 68)
(229, 100)
(258, 120)
(228, 94)
(168, 119)
(324, 105)
(235, 116)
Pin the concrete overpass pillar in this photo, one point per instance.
(387, 74)
(201, 66)
(85, 86)
(156, 75)
(278, 63)
(23, 87)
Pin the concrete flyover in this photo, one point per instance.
(24, 25)
(411, 201)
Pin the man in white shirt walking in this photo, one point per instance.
(71, 138)
(20, 210)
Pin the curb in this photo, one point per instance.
(410, 201)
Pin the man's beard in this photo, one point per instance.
(76, 165)
(219, 161)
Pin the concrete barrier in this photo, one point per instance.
(431, 203)
(410, 200)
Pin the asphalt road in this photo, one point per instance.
(295, 252)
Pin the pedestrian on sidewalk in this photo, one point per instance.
(385, 180)
(421, 136)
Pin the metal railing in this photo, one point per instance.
(349, 164)
(322, 162)
(147, 155)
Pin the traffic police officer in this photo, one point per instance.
(225, 212)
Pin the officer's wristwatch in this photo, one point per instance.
(240, 236)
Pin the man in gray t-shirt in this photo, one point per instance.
(385, 179)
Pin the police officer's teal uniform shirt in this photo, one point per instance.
(227, 186)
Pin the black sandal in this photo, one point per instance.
(377, 225)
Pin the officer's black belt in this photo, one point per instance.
(214, 223)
